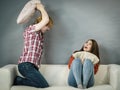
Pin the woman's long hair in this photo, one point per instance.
(94, 48)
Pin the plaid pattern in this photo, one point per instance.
(33, 45)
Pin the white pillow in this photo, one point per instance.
(86, 55)
(27, 11)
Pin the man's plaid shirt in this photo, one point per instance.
(33, 45)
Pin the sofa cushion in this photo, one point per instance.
(55, 74)
(23, 88)
(102, 76)
(58, 74)
(100, 87)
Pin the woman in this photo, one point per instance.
(30, 59)
(82, 69)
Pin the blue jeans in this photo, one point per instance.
(31, 76)
(81, 74)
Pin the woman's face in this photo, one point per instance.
(87, 46)
(44, 29)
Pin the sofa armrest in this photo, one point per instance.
(7, 75)
(114, 71)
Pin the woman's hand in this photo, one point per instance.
(45, 17)
(39, 6)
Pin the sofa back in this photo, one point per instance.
(58, 74)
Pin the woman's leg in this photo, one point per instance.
(32, 76)
(91, 81)
(75, 75)
(88, 76)
(23, 81)
(71, 79)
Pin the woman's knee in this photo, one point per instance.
(76, 62)
(88, 62)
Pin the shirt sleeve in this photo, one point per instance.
(70, 61)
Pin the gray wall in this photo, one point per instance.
(75, 21)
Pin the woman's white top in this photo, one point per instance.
(82, 55)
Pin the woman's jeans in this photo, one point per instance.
(31, 76)
(81, 74)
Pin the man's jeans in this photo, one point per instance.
(81, 74)
(31, 76)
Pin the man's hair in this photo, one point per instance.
(49, 24)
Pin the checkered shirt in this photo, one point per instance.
(33, 45)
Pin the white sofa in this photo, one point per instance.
(107, 78)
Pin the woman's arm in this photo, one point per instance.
(45, 17)
(96, 67)
(70, 61)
